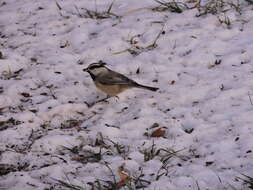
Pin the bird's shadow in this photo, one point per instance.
(89, 105)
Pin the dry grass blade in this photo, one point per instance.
(68, 185)
(110, 7)
(169, 153)
(112, 174)
(154, 44)
(169, 6)
(247, 180)
(58, 6)
(136, 49)
(8, 123)
(96, 14)
(78, 13)
(225, 20)
(218, 6)
(250, 99)
(197, 185)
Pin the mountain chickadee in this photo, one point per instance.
(111, 82)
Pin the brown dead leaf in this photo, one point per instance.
(78, 158)
(160, 132)
(121, 183)
(122, 173)
(123, 176)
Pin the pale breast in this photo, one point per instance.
(111, 90)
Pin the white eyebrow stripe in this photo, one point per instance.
(95, 64)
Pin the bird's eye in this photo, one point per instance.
(101, 63)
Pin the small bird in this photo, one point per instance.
(111, 82)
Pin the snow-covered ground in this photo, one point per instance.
(50, 139)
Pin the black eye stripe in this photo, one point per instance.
(95, 66)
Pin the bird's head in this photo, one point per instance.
(96, 68)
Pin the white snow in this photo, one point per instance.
(202, 67)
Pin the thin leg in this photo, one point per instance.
(102, 100)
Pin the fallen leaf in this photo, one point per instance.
(121, 183)
(78, 158)
(123, 175)
(160, 132)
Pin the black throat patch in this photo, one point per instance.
(92, 75)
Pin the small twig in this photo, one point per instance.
(65, 161)
(110, 7)
(107, 125)
(250, 99)
(197, 184)
(119, 52)
(98, 14)
(78, 12)
(136, 50)
(247, 180)
(51, 92)
(110, 169)
(157, 37)
(173, 6)
(58, 6)
(68, 185)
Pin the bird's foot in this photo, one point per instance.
(101, 100)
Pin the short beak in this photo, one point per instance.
(85, 70)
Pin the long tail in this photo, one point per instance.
(147, 87)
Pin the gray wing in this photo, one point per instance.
(115, 78)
